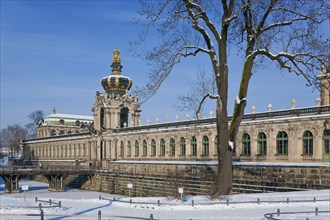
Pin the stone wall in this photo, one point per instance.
(153, 180)
(197, 179)
(283, 178)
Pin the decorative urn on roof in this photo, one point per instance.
(116, 83)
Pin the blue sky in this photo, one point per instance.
(54, 53)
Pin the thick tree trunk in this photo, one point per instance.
(224, 179)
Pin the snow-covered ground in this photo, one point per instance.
(83, 204)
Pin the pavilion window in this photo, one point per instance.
(246, 145)
(145, 148)
(193, 144)
(262, 144)
(52, 133)
(172, 147)
(282, 143)
(153, 147)
(307, 143)
(182, 146)
(122, 150)
(162, 147)
(136, 151)
(129, 148)
(205, 143)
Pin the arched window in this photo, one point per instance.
(61, 122)
(121, 148)
(307, 143)
(172, 147)
(136, 152)
(145, 148)
(182, 146)
(193, 144)
(205, 143)
(129, 148)
(246, 144)
(162, 147)
(326, 141)
(282, 143)
(52, 133)
(153, 147)
(262, 144)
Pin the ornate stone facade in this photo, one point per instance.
(116, 134)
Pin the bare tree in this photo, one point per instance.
(288, 33)
(204, 83)
(11, 138)
(35, 117)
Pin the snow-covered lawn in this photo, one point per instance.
(83, 204)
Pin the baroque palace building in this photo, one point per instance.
(115, 132)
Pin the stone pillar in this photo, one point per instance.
(188, 146)
(117, 124)
(131, 119)
(271, 144)
(11, 183)
(109, 149)
(92, 150)
(254, 145)
(318, 143)
(199, 145)
(89, 150)
(212, 147)
(96, 115)
(56, 182)
(324, 78)
(107, 118)
(137, 119)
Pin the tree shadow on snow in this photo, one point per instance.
(82, 212)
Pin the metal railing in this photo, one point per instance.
(51, 204)
(252, 116)
(270, 216)
(226, 202)
(47, 170)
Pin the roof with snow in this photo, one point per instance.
(67, 119)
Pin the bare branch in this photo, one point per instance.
(297, 13)
(186, 54)
(202, 101)
(284, 23)
(198, 27)
(236, 14)
(265, 16)
(203, 15)
(294, 59)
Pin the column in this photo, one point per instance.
(11, 183)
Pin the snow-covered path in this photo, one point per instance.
(83, 204)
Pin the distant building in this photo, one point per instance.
(61, 124)
(115, 132)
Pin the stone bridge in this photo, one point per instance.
(55, 175)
